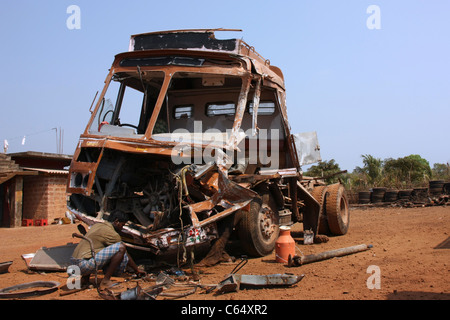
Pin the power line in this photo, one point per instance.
(29, 134)
(59, 139)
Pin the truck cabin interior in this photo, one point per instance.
(194, 103)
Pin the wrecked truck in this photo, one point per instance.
(190, 137)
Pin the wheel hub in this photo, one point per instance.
(266, 221)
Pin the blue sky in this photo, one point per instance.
(384, 92)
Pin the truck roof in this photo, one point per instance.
(203, 40)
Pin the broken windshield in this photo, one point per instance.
(127, 106)
(198, 108)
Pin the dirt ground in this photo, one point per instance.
(411, 249)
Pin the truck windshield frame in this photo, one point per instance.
(159, 91)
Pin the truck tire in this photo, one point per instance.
(258, 230)
(337, 210)
(319, 193)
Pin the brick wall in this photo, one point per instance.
(44, 196)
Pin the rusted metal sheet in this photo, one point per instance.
(4, 266)
(29, 289)
(234, 282)
(52, 259)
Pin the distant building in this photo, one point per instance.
(32, 186)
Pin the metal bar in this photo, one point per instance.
(256, 98)
(224, 213)
(298, 261)
(240, 109)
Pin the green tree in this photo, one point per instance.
(373, 169)
(324, 169)
(441, 171)
(408, 171)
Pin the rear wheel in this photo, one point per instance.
(337, 209)
(259, 229)
(319, 193)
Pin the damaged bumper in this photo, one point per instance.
(197, 221)
(159, 241)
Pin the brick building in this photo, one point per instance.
(32, 186)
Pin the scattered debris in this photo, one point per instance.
(234, 282)
(4, 266)
(64, 290)
(137, 293)
(173, 284)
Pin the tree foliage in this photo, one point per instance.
(405, 172)
(408, 171)
(324, 169)
(373, 168)
(441, 171)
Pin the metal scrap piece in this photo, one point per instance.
(4, 266)
(49, 286)
(52, 259)
(236, 281)
(229, 195)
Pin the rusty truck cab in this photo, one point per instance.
(184, 132)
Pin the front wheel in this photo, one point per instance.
(258, 230)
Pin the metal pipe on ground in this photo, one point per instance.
(297, 261)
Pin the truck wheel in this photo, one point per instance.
(319, 193)
(337, 211)
(258, 229)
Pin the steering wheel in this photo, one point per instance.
(128, 125)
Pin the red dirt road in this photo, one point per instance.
(411, 250)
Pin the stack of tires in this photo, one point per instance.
(436, 187)
(364, 197)
(377, 195)
(404, 194)
(391, 196)
(447, 188)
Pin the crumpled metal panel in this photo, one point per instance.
(308, 149)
